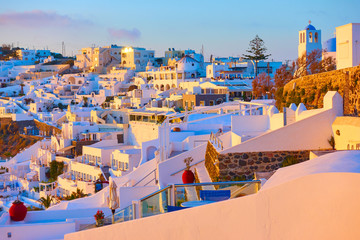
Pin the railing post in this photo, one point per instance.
(136, 205)
(173, 195)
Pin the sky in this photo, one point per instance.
(224, 28)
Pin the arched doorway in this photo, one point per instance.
(150, 152)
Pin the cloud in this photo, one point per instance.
(38, 18)
(124, 33)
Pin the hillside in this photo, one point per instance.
(11, 141)
(311, 89)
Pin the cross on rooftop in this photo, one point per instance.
(309, 21)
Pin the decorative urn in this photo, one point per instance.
(17, 211)
(188, 176)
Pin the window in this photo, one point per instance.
(211, 103)
(310, 37)
(316, 37)
(202, 103)
(123, 55)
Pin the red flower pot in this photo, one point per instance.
(188, 177)
(17, 211)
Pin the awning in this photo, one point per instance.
(65, 149)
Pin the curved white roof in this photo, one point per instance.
(341, 161)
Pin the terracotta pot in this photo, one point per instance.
(17, 211)
(176, 129)
(188, 177)
(100, 222)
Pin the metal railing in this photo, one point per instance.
(157, 202)
(149, 174)
(173, 195)
(123, 215)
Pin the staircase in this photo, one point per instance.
(203, 176)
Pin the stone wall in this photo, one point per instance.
(211, 162)
(5, 121)
(240, 166)
(311, 89)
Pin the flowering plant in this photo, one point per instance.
(99, 215)
(187, 161)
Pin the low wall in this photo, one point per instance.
(39, 231)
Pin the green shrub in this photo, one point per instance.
(332, 142)
(289, 160)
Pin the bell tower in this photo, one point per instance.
(309, 40)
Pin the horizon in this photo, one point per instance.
(159, 26)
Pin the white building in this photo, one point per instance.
(136, 58)
(348, 45)
(97, 59)
(164, 78)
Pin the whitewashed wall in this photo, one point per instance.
(269, 214)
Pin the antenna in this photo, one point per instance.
(63, 49)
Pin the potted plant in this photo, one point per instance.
(188, 176)
(99, 218)
(17, 211)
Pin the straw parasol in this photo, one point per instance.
(113, 199)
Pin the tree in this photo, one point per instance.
(85, 100)
(282, 76)
(313, 63)
(256, 52)
(56, 169)
(46, 202)
(22, 88)
(70, 62)
(263, 85)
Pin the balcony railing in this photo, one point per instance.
(173, 195)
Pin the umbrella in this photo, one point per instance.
(113, 198)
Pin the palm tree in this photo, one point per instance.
(22, 88)
(80, 193)
(46, 202)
